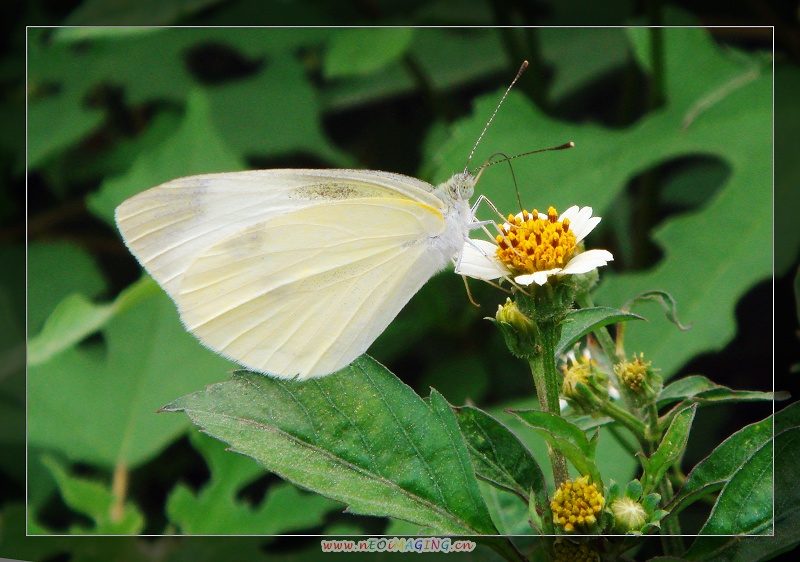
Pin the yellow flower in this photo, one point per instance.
(576, 504)
(531, 247)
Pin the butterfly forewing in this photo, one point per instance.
(290, 272)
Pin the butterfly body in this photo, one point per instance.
(294, 273)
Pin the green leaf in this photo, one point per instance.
(55, 271)
(713, 472)
(97, 502)
(669, 451)
(499, 457)
(287, 103)
(580, 322)
(668, 305)
(509, 514)
(359, 436)
(787, 506)
(216, 509)
(567, 438)
(359, 51)
(745, 504)
(96, 402)
(194, 148)
(76, 317)
(697, 388)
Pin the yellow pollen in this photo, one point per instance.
(576, 503)
(529, 244)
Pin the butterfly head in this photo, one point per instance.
(458, 188)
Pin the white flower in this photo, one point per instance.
(533, 246)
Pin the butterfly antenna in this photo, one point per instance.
(564, 146)
(489, 122)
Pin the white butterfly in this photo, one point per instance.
(294, 273)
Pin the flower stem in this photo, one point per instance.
(548, 381)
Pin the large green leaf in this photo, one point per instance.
(216, 508)
(745, 505)
(96, 402)
(359, 436)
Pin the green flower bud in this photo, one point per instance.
(629, 516)
(639, 380)
(584, 387)
(518, 331)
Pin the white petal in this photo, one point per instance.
(613, 392)
(539, 277)
(587, 261)
(478, 261)
(585, 228)
(570, 214)
(562, 404)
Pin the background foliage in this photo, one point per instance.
(673, 136)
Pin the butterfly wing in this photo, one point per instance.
(291, 272)
(304, 293)
(169, 226)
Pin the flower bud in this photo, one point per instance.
(518, 331)
(584, 387)
(576, 504)
(629, 515)
(639, 380)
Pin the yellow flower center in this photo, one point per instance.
(633, 374)
(529, 244)
(576, 503)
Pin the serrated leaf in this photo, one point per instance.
(499, 457)
(96, 501)
(566, 437)
(697, 388)
(215, 509)
(580, 322)
(670, 450)
(96, 403)
(359, 51)
(359, 436)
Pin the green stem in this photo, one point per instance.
(635, 426)
(548, 381)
